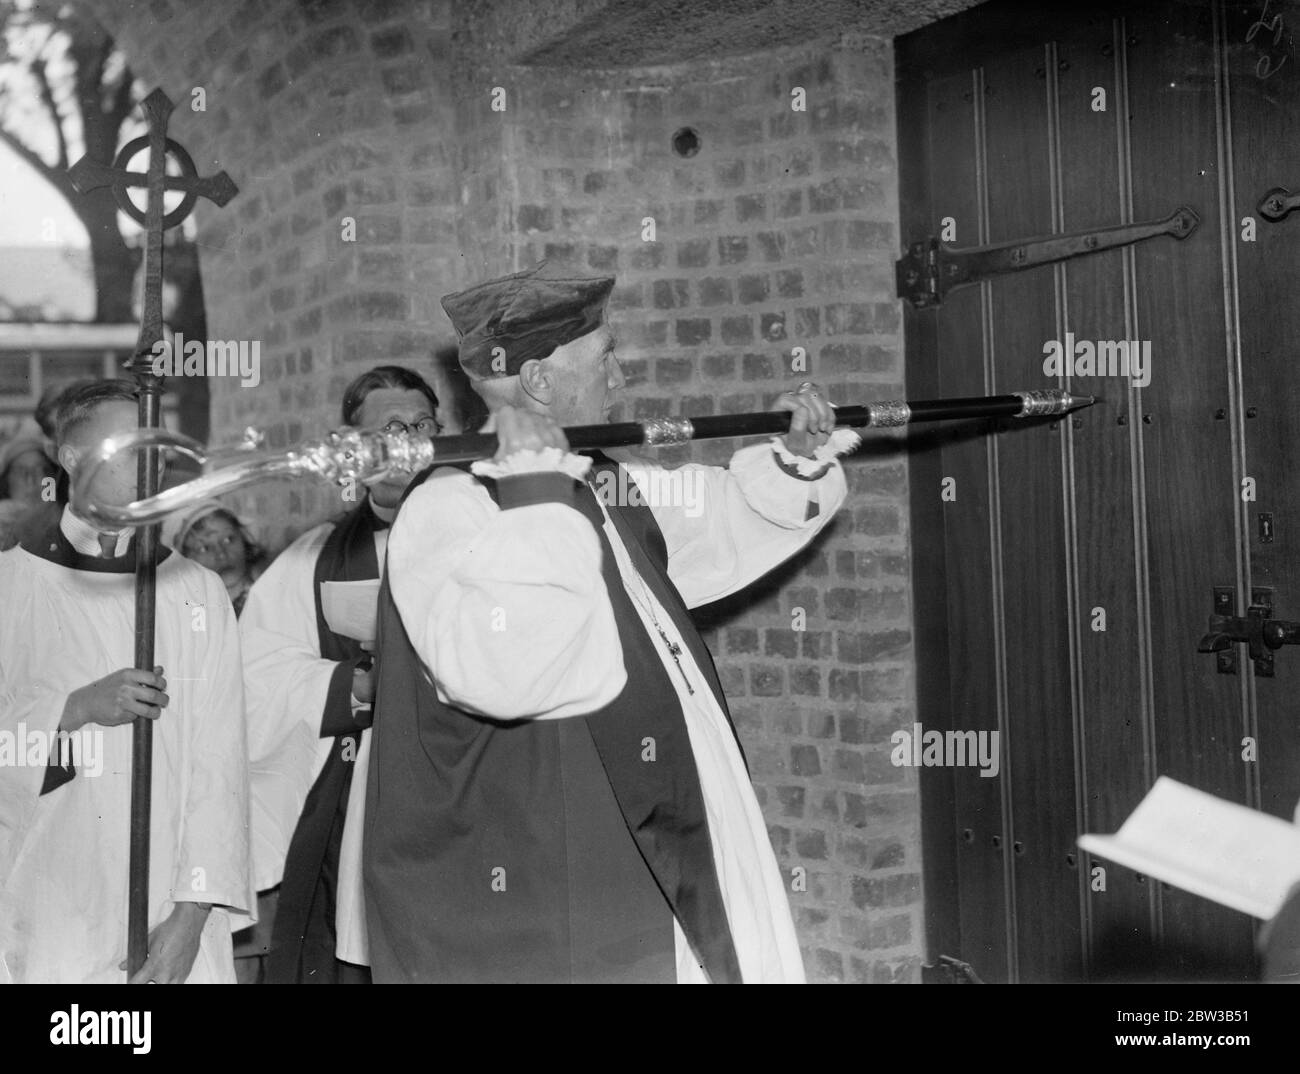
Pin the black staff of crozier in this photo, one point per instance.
(87, 175)
(356, 455)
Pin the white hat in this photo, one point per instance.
(23, 441)
(177, 527)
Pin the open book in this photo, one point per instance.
(1229, 853)
(351, 608)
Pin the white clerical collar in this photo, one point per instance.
(384, 514)
(85, 538)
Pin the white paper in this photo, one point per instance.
(351, 608)
(1226, 852)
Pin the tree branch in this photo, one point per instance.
(90, 74)
(47, 99)
(122, 100)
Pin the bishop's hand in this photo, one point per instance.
(363, 685)
(115, 699)
(812, 420)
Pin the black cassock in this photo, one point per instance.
(303, 937)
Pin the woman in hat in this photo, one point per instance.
(213, 536)
(24, 468)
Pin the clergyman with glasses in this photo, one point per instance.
(310, 684)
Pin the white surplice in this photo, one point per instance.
(456, 560)
(286, 681)
(63, 855)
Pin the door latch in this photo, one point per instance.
(1262, 633)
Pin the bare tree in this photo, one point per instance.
(67, 90)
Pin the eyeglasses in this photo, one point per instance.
(423, 427)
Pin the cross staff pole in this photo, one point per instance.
(89, 175)
(157, 110)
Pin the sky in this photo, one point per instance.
(37, 231)
(31, 210)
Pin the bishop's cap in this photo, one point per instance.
(526, 315)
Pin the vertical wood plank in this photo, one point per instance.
(1115, 759)
(1191, 498)
(941, 886)
(972, 701)
(1263, 97)
(1039, 772)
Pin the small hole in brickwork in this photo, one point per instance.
(686, 142)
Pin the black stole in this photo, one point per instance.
(672, 833)
(303, 936)
(649, 554)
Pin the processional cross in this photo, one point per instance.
(87, 175)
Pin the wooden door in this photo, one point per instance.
(1064, 582)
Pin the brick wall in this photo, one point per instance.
(779, 233)
(324, 112)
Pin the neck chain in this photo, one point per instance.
(646, 602)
